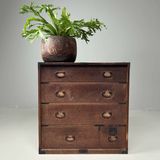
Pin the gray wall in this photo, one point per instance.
(133, 35)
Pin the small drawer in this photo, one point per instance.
(83, 92)
(84, 73)
(86, 114)
(113, 136)
(69, 137)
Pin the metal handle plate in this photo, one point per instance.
(60, 74)
(70, 138)
(112, 138)
(60, 94)
(60, 115)
(107, 115)
(107, 74)
(107, 93)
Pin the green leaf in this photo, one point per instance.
(36, 25)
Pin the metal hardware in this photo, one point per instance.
(60, 94)
(70, 138)
(45, 103)
(112, 131)
(99, 126)
(107, 94)
(122, 102)
(112, 138)
(59, 115)
(44, 82)
(44, 125)
(107, 115)
(107, 74)
(41, 151)
(124, 151)
(60, 74)
(83, 150)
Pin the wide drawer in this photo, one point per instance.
(84, 73)
(83, 92)
(83, 114)
(113, 136)
(69, 137)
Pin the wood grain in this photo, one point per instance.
(83, 107)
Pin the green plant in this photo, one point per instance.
(37, 26)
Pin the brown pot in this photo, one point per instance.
(59, 49)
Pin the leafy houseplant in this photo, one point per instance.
(59, 33)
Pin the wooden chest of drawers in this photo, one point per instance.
(83, 107)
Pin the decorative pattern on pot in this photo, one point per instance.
(59, 49)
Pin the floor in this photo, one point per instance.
(19, 137)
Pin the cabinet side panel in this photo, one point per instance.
(39, 106)
(128, 87)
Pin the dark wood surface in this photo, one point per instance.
(66, 114)
(83, 136)
(75, 92)
(83, 107)
(76, 73)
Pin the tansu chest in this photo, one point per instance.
(83, 107)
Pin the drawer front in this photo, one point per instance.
(83, 92)
(84, 74)
(113, 137)
(69, 137)
(83, 114)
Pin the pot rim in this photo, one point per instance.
(59, 36)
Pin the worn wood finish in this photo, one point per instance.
(60, 136)
(116, 138)
(83, 151)
(68, 114)
(83, 137)
(76, 73)
(74, 92)
(83, 107)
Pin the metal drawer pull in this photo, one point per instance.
(107, 115)
(60, 94)
(107, 94)
(60, 115)
(70, 138)
(60, 74)
(112, 138)
(107, 74)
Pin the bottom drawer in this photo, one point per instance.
(83, 137)
(69, 137)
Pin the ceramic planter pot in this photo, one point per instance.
(59, 49)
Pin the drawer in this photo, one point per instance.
(83, 114)
(69, 137)
(84, 73)
(83, 92)
(113, 137)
